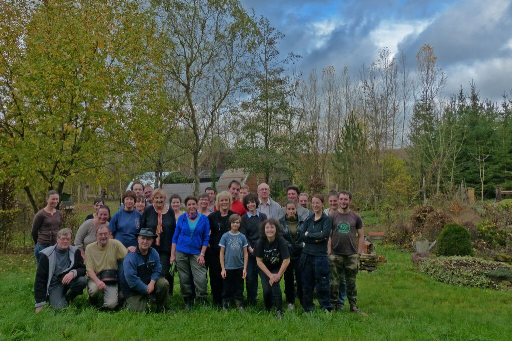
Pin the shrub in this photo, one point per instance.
(465, 271)
(8, 226)
(454, 240)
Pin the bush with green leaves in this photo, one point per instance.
(465, 271)
(454, 240)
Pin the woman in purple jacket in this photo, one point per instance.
(189, 244)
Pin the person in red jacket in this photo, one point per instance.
(236, 206)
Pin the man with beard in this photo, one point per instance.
(101, 259)
(344, 250)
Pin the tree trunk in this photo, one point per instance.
(31, 199)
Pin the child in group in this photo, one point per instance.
(233, 261)
(273, 257)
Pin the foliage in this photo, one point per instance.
(398, 187)
(454, 240)
(7, 226)
(268, 126)
(464, 271)
(176, 178)
(495, 229)
(351, 154)
(73, 75)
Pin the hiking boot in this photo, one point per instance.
(354, 309)
(291, 306)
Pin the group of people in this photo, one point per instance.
(227, 238)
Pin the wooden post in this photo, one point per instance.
(498, 193)
(471, 195)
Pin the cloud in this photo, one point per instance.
(471, 38)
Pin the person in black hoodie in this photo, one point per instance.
(313, 261)
(251, 222)
(292, 224)
(218, 226)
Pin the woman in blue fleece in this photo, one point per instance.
(125, 223)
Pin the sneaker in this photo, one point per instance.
(187, 307)
(241, 309)
(338, 306)
(291, 306)
(279, 315)
(224, 309)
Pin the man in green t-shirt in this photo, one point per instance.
(344, 250)
(101, 259)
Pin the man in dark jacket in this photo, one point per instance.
(60, 275)
(142, 281)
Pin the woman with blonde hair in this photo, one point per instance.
(159, 217)
(219, 224)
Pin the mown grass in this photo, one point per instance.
(401, 304)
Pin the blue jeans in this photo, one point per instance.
(316, 273)
(37, 249)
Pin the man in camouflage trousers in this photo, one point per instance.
(344, 250)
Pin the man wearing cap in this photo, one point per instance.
(142, 281)
(101, 259)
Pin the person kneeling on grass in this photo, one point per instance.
(60, 275)
(233, 260)
(273, 257)
(142, 276)
(101, 259)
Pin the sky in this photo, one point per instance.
(472, 39)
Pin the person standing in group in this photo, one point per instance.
(211, 195)
(233, 261)
(344, 251)
(268, 206)
(46, 224)
(148, 194)
(138, 188)
(251, 229)
(125, 223)
(102, 259)
(292, 224)
(175, 201)
(140, 203)
(244, 190)
(188, 251)
(273, 257)
(86, 233)
(218, 226)
(332, 199)
(313, 261)
(160, 219)
(204, 200)
(304, 200)
(292, 193)
(60, 274)
(98, 202)
(236, 205)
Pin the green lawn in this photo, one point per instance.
(401, 305)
